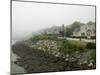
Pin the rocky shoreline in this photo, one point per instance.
(36, 61)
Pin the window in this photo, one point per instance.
(82, 34)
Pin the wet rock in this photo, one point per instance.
(90, 64)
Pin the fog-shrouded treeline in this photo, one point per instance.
(50, 30)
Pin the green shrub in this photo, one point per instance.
(70, 48)
(91, 46)
(93, 37)
(93, 56)
(43, 37)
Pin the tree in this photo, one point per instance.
(76, 24)
(72, 27)
(68, 31)
(91, 23)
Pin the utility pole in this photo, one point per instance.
(63, 30)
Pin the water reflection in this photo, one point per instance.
(14, 67)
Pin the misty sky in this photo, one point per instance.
(30, 17)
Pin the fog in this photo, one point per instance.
(30, 17)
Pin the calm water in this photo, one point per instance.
(14, 67)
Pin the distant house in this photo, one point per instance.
(85, 30)
(76, 32)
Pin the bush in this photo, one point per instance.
(93, 56)
(43, 37)
(70, 48)
(93, 37)
(91, 46)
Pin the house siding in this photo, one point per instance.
(85, 31)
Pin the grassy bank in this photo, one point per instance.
(72, 48)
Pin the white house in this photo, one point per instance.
(85, 30)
